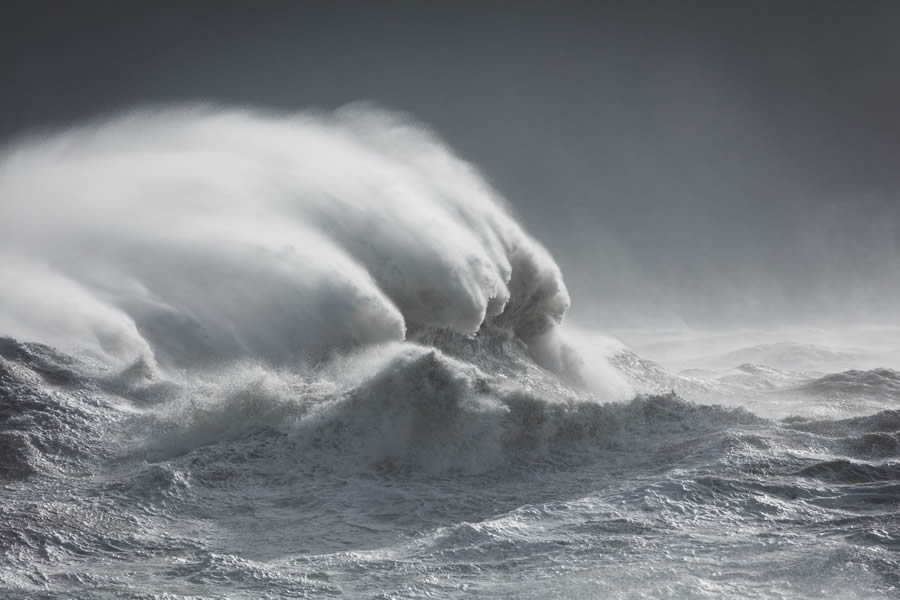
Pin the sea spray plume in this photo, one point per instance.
(197, 235)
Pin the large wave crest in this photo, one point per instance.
(194, 235)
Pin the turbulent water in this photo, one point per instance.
(268, 356)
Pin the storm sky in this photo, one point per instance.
(711, 164)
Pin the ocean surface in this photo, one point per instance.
(311, 356)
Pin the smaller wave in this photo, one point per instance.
(875, 383)
(760, 378)
(789, 356)
(886, 421)
(650, 377)
(873, 445)
(848, 471)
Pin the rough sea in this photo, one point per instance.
(306, 356)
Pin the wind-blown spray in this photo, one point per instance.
(193, 236)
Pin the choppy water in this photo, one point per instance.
(422, 476)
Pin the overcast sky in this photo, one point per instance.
(720, 163)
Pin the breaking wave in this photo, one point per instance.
(192, 237)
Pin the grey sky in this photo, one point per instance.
(719, 163)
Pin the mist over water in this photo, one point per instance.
(254, 354)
